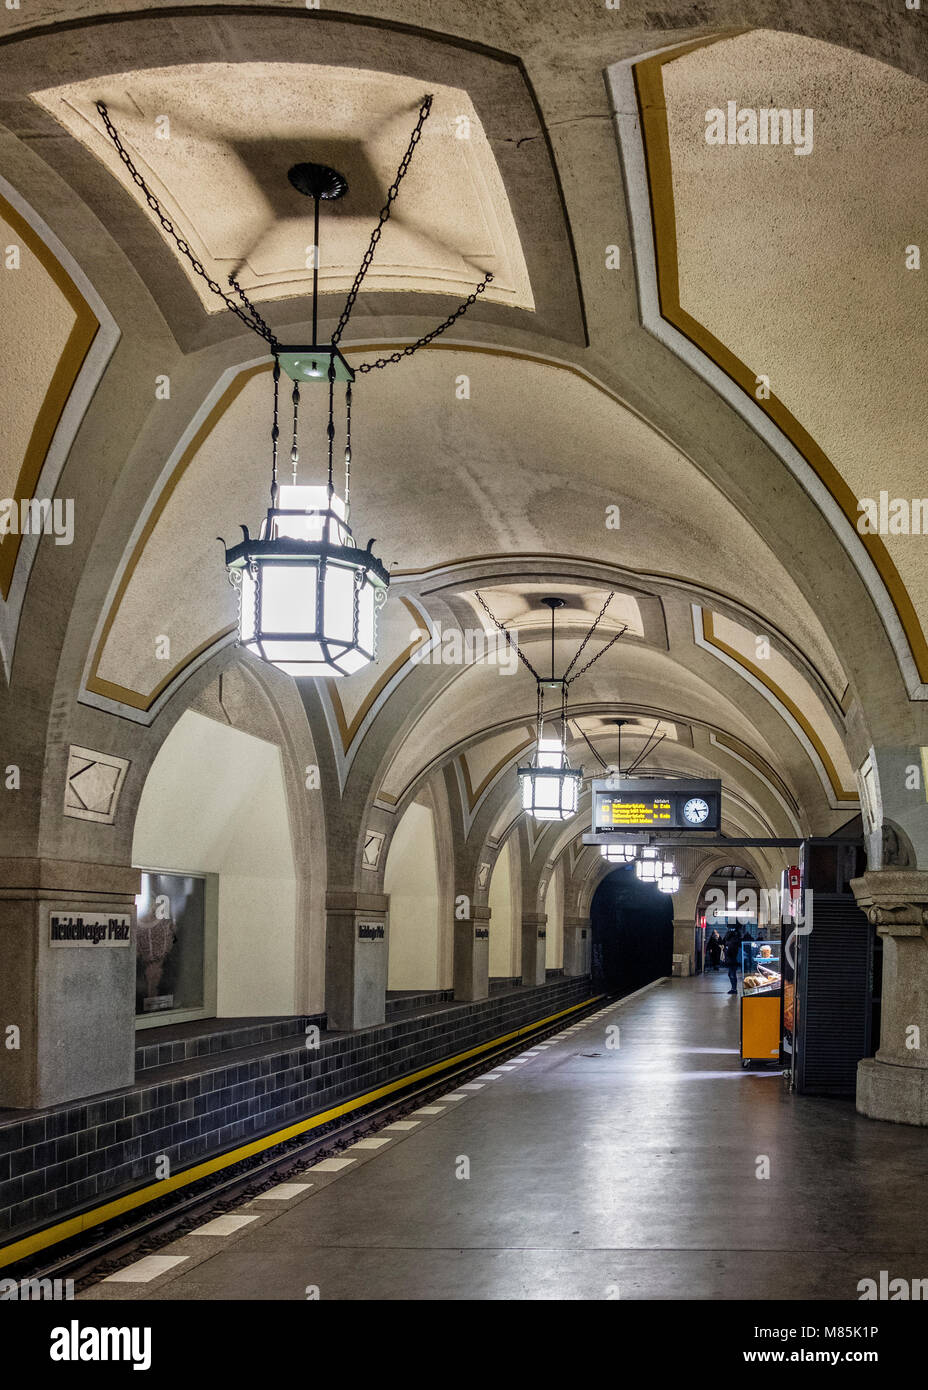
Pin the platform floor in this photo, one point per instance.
(595, 1173)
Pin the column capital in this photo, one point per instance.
(346, 900)
(895, 900)
(40, 878)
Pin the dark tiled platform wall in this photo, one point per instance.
(54, 1164)
(415, 1003)
(162, 1054)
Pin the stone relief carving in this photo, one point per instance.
(896, 847)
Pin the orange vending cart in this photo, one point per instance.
(760, 1003)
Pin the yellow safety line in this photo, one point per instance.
(52, 1235)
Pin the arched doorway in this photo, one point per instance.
(412, 882)
(217, 913)
(632, 933)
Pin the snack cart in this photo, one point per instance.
(760, 1001)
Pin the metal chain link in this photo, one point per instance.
(602, 652)
(603, 764)
(385, 211)
(579, 652)
(422, 342)
(257, 321)
(508, 636)
(248, 314)
(295, 446)
(348, 452)
(647, 749)
(253, 319)
(589, 635)
(275, 432)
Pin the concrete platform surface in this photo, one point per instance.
(607, 1165)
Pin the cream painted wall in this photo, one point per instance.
(554, 927)
(500, 899)
(411, 880)
(214, 802)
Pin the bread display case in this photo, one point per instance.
(760, 1001)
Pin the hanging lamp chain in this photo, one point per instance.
(602, 652)
(245, 310)
(602, 762)
(408, 351)
(255, 319)
(348, 452)
(648, 748)
(508, 636)
(524, 659)
(275, 431)
(385, 211)
(568, 679)
(295, 447)
(249, 314)
(330, 430)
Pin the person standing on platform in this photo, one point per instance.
(748, 954)
(732, 948)
(714, 951)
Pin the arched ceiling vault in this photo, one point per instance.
(592, 449)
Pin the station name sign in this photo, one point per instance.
(654, 803)
(90, 929)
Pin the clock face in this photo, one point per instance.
(696, 810)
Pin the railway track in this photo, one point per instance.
(90, 1257)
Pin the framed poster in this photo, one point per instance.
(175, 969)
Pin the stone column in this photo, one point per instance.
(356, 946)
(578, 945)
(472, 954)
(67, 980)
(893, 1085)
(534, 937)
(683, 944)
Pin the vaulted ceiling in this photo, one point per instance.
(592, 426)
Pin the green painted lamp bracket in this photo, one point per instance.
(312, 363)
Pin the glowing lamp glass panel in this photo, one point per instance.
(308, 596)
(301, 515)
(338, 608)
(550, 752)
(550, 788)
(620, 854)
(366, 618)
(669, 883)
(248, 599)
(288, 598)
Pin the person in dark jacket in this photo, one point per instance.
(714, 951)
(747, 951)
(732, 947)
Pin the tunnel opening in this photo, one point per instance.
(632, 933)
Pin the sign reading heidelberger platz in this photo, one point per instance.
(653, 803)
(89, 928)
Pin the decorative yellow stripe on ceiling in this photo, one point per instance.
(109, 689)
(67, 370)
(144, 701)
(745, 751)
(475, 793)
(649, 85)
(841, 792)
(134, 699)
(347, 729)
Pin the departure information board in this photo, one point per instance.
(651, 803)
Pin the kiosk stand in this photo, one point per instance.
(760, 1002)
